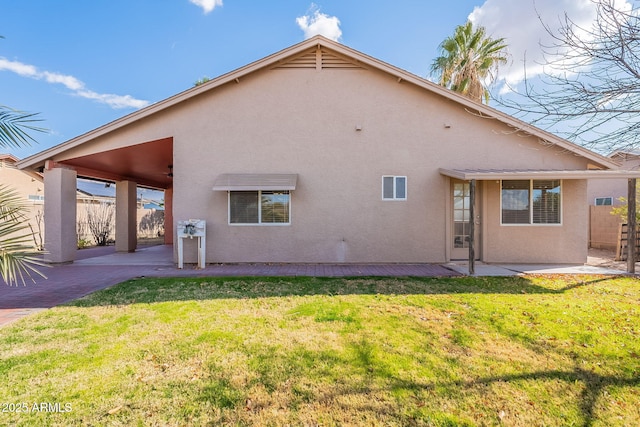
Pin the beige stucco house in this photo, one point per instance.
(603, 196)
(30, 187)
(607, 192)
(320, 153)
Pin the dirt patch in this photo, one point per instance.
(605, 258)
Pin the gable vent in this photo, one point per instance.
(319, 59)
(304, 60)
(332, 60)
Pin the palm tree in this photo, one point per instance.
(467, 60)
(18, 257)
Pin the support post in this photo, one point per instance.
(126, 236)
(631, 226)
(60, 238)
(472, 223)
(169, 228)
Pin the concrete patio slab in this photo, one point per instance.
(482, 269)
(159, 255)
(562, 269)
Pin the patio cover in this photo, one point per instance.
(474, 175)
(498, 174)
(255, 182)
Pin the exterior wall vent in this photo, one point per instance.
(319, 58)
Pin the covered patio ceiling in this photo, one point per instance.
(149, 164)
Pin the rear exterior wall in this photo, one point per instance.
(304, 121)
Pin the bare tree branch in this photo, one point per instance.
(590, 89)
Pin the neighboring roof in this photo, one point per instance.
(301, 49)
(622, 155)
(153, 205)
(495, 174)
(9, 157)
(254, 182)
(631, 152)
(94, 188)
(14, 160)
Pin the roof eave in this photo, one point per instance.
(38, 159)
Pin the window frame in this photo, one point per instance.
(395, 188)
(531, 210)
(259, 223)
(610, 198)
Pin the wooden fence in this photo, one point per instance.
(623, 242)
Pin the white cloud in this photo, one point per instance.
(207, 5)
(114, 101)
(18, 68)
(519, 24)
(76, 86)
(315, 22)
(69, 81)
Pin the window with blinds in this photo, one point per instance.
(531, 201)
(545, 202)
(259, 207)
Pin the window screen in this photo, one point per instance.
(387, 187)
(515, 202)
(243, 207)
(401, 187)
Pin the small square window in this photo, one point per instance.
(604, 201)
(394, 188)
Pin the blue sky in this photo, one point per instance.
(82, 64)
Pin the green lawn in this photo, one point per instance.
(306, 351)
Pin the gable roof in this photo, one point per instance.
(318, 52)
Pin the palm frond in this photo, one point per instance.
(18, 257)
(12, 204)
(14, 127)
(467, 60)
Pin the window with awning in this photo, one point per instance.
(258, 199)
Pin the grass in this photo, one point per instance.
(560, 350)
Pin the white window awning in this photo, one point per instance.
(255, 182)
